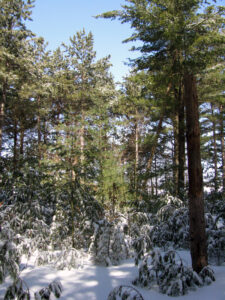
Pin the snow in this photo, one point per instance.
(95, 282)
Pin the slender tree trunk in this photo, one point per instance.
(39, 127)
(72, 210)
(215, 150)
(181, 144)
(136, 156)
(152, 187)
(176, 152)
(196, 202)
(155, 142)
(222, 145)
(21, 141)
(45, 132)
(2, 112)
(82, 139)
(156, 178)
(15, 140)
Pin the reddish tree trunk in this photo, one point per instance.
(196, 202)
(181, 151)
(176, 152)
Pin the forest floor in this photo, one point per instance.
(93, 282)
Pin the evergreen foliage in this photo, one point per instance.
(19, 290)
(86, 169)
(125, 292)
(9, 260)
(108, 244)
(170, 274)
(173, 230)
(215, 238)
(54, 288)
(141, 240)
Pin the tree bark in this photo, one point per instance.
(181, 144)
(175, 152)
(21, 141)
(82, 140)
(222, 145)
(155, 142)
(39, 127)
(2, 112)
(215, 150)
(196, 202)
(136, 156)
(15, 140)
(156, 178)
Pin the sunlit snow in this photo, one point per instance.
(95, 282)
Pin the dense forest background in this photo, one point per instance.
(77, 149)
(61, 112)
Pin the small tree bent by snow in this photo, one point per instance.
(54, 288)
(170, 274)
(19, 290)
(123, 292)
(9, 260)
(108, 244)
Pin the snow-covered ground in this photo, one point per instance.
(95, 282)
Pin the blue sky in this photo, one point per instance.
(57, 20)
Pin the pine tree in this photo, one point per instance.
(13, 34)
(178, 42)
(80, 56)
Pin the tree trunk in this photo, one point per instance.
(136, 156)
(82, 140)
(39, 127)
(2, 112)
(156, 178)
(196, 202)
(222, 145)
(155, 142)
(175, 152)
(21, 141)
(215, 150)
(181, 144)
(45, 132)
(15, 139)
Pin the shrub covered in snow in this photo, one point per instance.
(108, 245)
(19, 290)
(63, 259)
(54, 288)
(169, 227)
(170, 274)
(142, 242)
(172, 230)
(29, 225)
(74, 218)
(124, 292)
(9, 260)
(215, 231)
